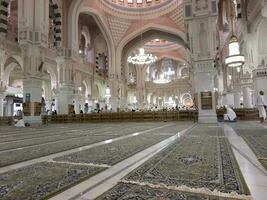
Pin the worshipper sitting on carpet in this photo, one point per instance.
(260, 103)
(230, 115)
(20, 123)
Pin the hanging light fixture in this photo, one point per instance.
(142, 58)
(235, 59)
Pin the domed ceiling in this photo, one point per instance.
(135, 8)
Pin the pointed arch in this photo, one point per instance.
(149, 31)
(53, 74)
(10, 64)
(75, 10)
(88, 89)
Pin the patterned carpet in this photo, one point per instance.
(202, 161)
(256, 137)
(41, 180)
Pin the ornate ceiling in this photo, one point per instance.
(135, 9)
(125, 18)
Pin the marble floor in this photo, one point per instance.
(178, 160)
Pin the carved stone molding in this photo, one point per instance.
(206, 66)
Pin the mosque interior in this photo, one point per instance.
(133, 99)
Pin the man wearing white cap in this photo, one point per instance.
(260, 103)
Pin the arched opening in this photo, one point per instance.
(186, 101)
(86, 46)
(93, 47)
(13, 79)
(49, 88)
(172, 53)
(76, 9)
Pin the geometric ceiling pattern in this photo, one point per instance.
(178, 17)
(118, 28)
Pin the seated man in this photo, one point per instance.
(20, 123)
(230, 115)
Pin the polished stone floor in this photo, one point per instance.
(146, 160)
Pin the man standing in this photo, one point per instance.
(260, 103)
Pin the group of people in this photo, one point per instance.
(230, 115)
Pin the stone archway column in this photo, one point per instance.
(65, 99)
(114, 86)
(1, 105)
(247, 98)
(82, 103)
(66, 85)
(2, 84)
(2, 97)
(32, 83)
(77, 103)
(237, 100)
(2, 62)
(140, 85)
(33, 41)
(32, 94)
(202, 35)
(56, 102)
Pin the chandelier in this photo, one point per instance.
(162, 80)
(235, 59)
(142, 58)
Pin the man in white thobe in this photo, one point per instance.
(20, 124)
(260, 103)
(230, 115)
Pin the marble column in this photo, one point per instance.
(65, 98)
(66, 91)
(201, 29)
(32, 94)
(33, 43)
(82, 103)
(260, 82)
(204, 84)
(76, 104)
(237, 100)
(140, 85)
(114, 102)
(247, 98)
(2, 97)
